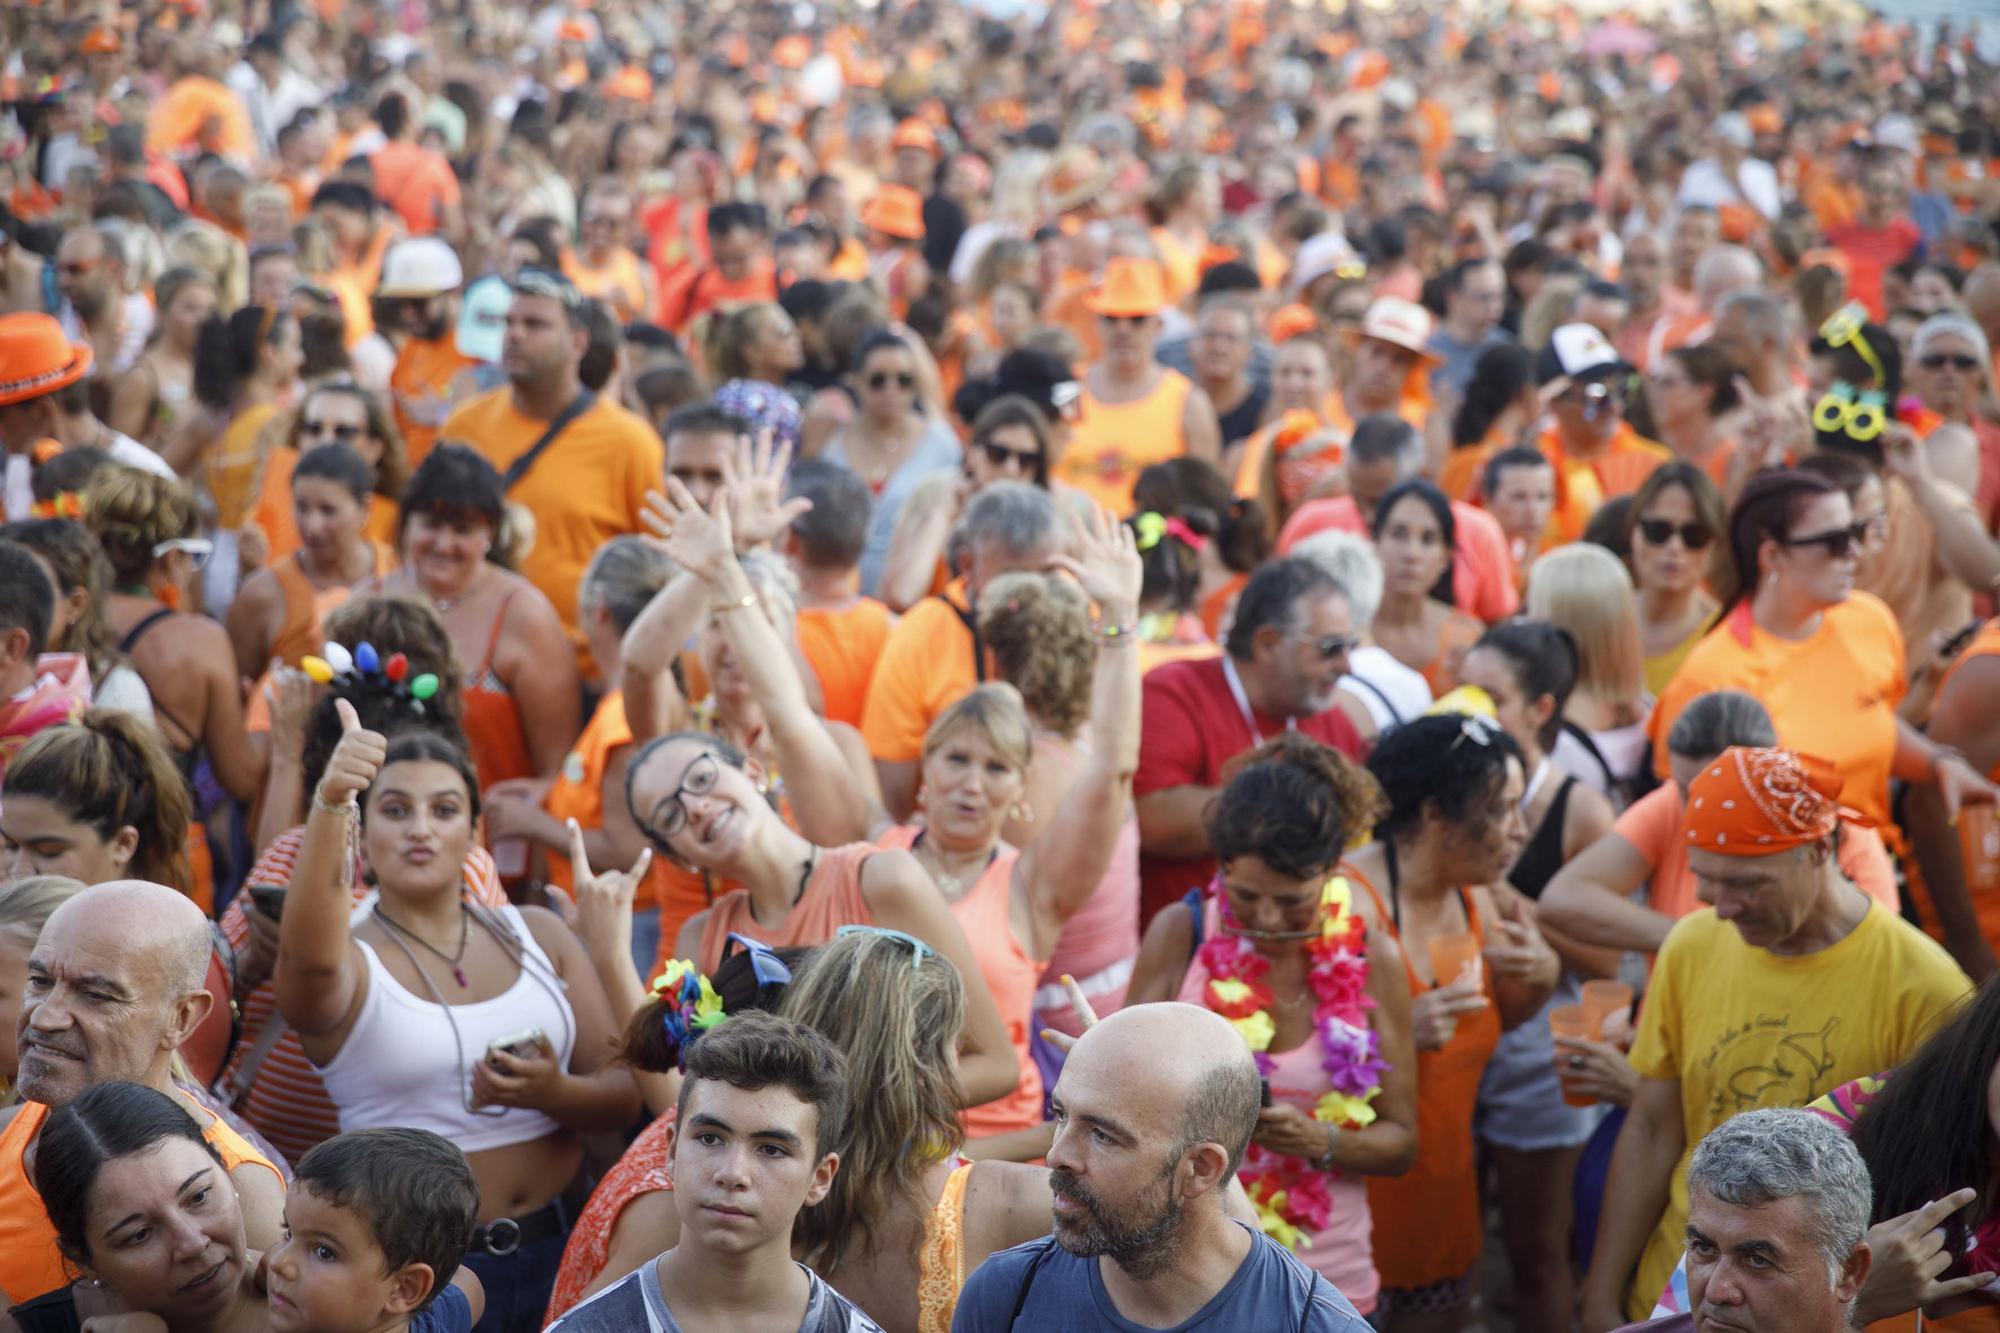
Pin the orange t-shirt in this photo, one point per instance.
(578, 790)
(200, 113)
(1833, 694)
(30, 1262)
(842, 648)
(589, 485)
(420, 390)
(1653, 826)
(693, 292)
(618, 283)
(415, 181)
(927, 665)
(1583, 487)
(1114, 442)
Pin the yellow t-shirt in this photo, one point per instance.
(1742, 1028)
(589, 485)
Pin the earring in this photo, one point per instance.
(1022, 812)
(923, 794)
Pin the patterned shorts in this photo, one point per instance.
(1453, 1293)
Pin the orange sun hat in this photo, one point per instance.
(895, 210)
(36, 358)
(1132, 289)
(1759, 802)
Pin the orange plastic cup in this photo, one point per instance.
(1571, 1020)
(1602, 999)
(1979, 847)
(1452, 954)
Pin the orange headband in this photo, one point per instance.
(1755, 802)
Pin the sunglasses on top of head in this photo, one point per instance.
(1839, 543)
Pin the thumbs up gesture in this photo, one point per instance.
(356, 760)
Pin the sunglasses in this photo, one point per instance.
(1839, 542)
(919, 950)
(1125, 319)
(881, 379)
(1659, 531)
(1330, 646)
(1939, 360)
(329, 430)
(769, 969)
(197, 549)
(999, 455)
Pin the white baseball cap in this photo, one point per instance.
(422, 266)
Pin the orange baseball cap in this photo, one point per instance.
(1132, 289)
(913, 133)
(102, 42)
(895, 210)
(1292, 321)
(36, 358)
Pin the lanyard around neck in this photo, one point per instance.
(1236, 692)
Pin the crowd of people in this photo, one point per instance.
(1002, 666)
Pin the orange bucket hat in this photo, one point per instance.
(1132, 289)
(36, 359)
(895, 210)
(913, 133)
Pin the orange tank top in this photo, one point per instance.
(30, 1262)
(493, 726)
(832, 899)
(985, 915)
(306, 607)
(1114, 442)
(1427, 1223)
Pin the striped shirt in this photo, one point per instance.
(287, 1103)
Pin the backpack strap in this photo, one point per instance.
(518, 469)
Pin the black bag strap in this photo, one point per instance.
(518, 469)
(971, 623)
(1028, 1281)
(1395, 714)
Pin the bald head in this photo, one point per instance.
(1185, 1066)
(115, 985)
(1724, 269)
(1981, 295)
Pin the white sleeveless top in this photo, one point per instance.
(401, 1066)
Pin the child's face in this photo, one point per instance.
(329, 1275)
(745, 1163)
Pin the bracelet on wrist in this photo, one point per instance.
(748, 599)
(341, 808)
(1110, 632)
(1325, 1160)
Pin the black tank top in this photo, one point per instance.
(1543, 855)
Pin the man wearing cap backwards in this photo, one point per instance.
(1791, 982)
(425, 276)
(1135, 412)
(1595, 452)
(588, 483)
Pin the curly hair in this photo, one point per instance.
(1039, 630)
(130, 512)
(1295, 807)
(400, 623)
(1430, 762)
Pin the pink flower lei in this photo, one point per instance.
(1293, 1198)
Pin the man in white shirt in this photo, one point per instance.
(1729, 175)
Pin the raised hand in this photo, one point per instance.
(1909, 1256)
(356, 760)
(698, 540)
(754, 480)
(604, 899)
(1105, 563)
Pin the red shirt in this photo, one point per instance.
(1482, 568)
(1191, 726)
(1871, 252)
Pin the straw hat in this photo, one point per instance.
(1399, 323)
(895, 210)
(1132, 289)
(36, 359)
(1076, 177)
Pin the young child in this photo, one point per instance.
(762, 1100)
(376, 1223)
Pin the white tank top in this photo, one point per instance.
(400, 1065)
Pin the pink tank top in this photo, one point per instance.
(1099, 944)
(983, 914)
(1343, 1253)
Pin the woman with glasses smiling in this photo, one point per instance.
(1825, 659)
(893, 443)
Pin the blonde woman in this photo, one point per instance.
(1584, 589)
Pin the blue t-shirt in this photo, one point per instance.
(1043, 1287)
(451, 1312)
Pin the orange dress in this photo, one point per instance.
(1114, 442)
(842, 648)
(1427, 1223)
(832, 899)
(1010, 973)
(644, 1169)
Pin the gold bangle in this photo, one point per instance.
(747, 599)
